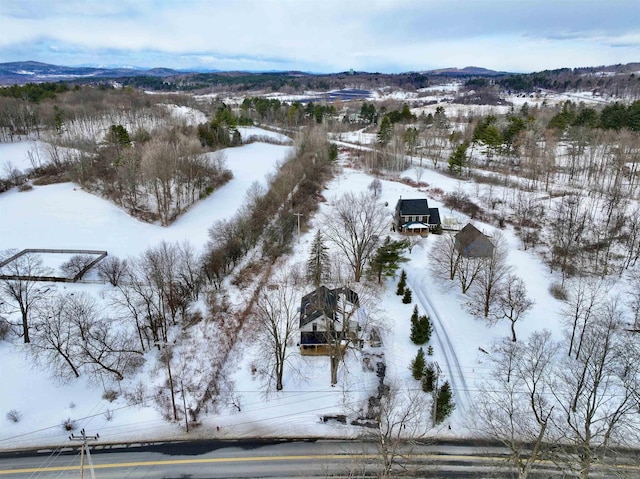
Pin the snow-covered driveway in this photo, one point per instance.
(445, 349)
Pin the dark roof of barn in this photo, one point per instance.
(470, 241)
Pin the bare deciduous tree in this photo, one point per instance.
(585, 298)
(76, 264)
(375, 187)
(72, 336)
(513, 405)
(512, 302)
(160, 287)
(24, 291)
(402, 419)
(445, 259)
(355, 226)
(277, 313)
(490, 278)
(113, 269)
(597, 393)
(54, 340)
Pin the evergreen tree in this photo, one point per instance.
(402, 283)
(440, 118)
(387, 258)
(406, 297)
(417, 365)
(58, 119)
(411, 140)
(415, 316)
(333, 152)
(421, 330)
(119, 136)
(444, 404)
(368, 112)
(458, 160)
(385, 131)
(428, 378)
(318, 264)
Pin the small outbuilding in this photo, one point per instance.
(470, 242)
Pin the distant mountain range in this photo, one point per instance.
(466, 71)
(36, 72)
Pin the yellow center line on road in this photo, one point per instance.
(213, 460)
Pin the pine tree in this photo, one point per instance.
(402, 283)
(444, 405)
(428, 378)
(385, 132)
(406, 298)
(387, 258)
(417, 365)
(414, 315)
(318, 264)
(459, 158)
(421, 330)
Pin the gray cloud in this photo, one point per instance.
(323, 35)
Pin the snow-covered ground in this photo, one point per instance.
(63, 216)
(16, 155)
(250, 133)
(190, 115)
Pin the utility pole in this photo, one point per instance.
(436, 392)
(84, 438)
(184, 403)
(298, 215)
(165, 346)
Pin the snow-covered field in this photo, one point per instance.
(64, 216)
(16, 155)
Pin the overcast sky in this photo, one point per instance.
(322, 35)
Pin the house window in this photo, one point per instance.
(315, 327)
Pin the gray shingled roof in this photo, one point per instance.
(413, 207)
(323, 301)
(434, 216)
(472, 243)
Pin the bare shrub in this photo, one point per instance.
(248, 274)
(460, 201)
(558, 291)
(14, 416)
(25, 187)
(69, 424)
(137, 395)
(110, 395)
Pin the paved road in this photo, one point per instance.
(256, 459)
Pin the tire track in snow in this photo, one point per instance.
(458, 382)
